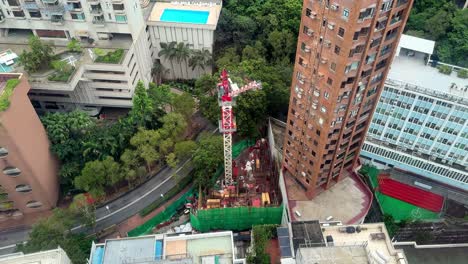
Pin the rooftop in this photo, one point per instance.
(54, 256)
(368, 243)
(213, 8)
(410, 67)
(198, 248)
(347, 201)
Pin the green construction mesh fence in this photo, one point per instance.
(161, 217)
(237, 219)
(241, 146)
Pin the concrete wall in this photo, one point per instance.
(22, 134)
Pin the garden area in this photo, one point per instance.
(108, 56)
(6, 93)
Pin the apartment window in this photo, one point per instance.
(386, 5)
(337, 49)
(121, 18)
(308, 12)
(333, 66)
(341, 32)
(324, 22)
(33, 204)
(18, 13)
(110, 16)
(326, 95)
(3, 152)
(78, 16)
(317, 132)
(329, 81)
(356, 35)
(323, 109)
(118, 7)
(345, 13)
(305, 30)
(35, 14)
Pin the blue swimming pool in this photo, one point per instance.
(185, 16)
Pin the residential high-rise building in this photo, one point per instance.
(344, 51)
(28, 178)
(115, 51)
(421, 121)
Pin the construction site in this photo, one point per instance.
(245, 192)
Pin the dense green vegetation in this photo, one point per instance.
(255, 40)
(39, 57)
(97, 156)
(113, 57)
(7, 92)
(445, 23)
(54, 231)
(261, 236)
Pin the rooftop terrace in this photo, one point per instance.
(198, 248)
(362, 244)
(410, 67)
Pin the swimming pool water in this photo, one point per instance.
(5, 68)
(185, 16)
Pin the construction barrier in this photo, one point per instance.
(170, 210)
(162, 217)
(237, 219)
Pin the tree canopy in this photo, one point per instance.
(445, 23)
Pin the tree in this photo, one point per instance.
(174, 125)
(200, 59)
(84, 209)
(184, 104)
(206, 85)
(184, 149)
(142, 108)
(206, 159)
(171, 160)
(182, 54)
(95, 176)
(158, 71)
(146, 143)
(39, 57)
(49, 233)
(282, 43)
(250, 112)
(168, 52)
(160, 95)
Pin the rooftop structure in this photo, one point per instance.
(54, 256)
(344, 52)
(28, 182)
(363, 244)
(190, 22)
(197, 249)
(421, 123)
(94, 81)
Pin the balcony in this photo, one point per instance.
(13, 3)
(30, 6)
(50, 1)
(401, 2)
(395, 20)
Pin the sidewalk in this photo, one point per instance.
(137, 220)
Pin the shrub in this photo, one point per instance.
(74, 46)
(109, 57)
(7, 91)
(445, 69)
(462, 73)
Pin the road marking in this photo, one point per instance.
(10, 246)
(137, 199)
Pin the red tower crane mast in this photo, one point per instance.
(227, 91)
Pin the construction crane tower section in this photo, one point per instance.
(227, 91)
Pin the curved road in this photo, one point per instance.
(120, 209)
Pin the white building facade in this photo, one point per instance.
(109, 25)
(54, 256)
(421, 121)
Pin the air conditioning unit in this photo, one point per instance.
(304, 64)
(334, 7)
(331, 26)
(307, 49)
(301, 81)
(324, 60)
(327, 43)
(310, 32)
(313, 15)
(321, 75)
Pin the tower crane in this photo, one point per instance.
(227, 91)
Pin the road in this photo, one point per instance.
(120, 209)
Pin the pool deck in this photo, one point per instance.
(159, 7)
